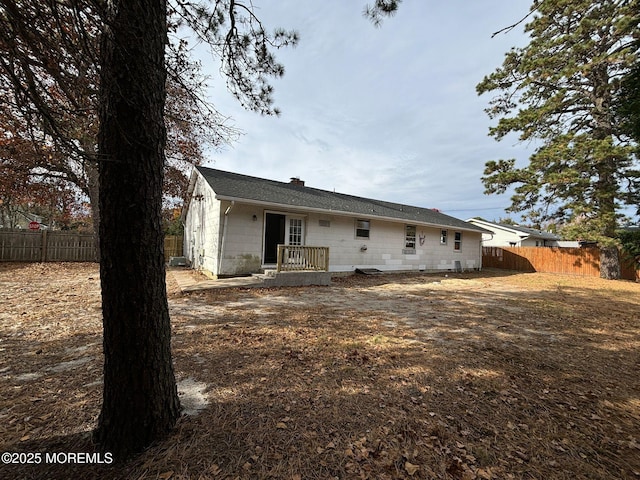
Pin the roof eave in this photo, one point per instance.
(344, 213)
(190, 189)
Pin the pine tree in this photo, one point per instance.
(627, 105)
(558, 91)
(140, 399)
(140, 403)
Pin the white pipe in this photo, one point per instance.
(224, 235)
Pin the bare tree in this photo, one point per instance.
(49, 79)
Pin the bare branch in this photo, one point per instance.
(506, 30)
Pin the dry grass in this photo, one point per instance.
(474, 376)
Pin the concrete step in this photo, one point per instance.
(294, 279)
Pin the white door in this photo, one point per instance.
(295, 231)
(294, 236)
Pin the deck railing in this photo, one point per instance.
(302, 257)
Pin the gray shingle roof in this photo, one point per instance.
(536, 233)
(531, 232)
(233, 186)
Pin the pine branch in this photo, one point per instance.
(508, 29)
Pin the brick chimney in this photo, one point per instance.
(297, 181)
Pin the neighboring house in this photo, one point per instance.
(17, 219)
(505, 235)
(234, 223)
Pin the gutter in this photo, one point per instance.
(344, 213)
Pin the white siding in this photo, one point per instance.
(532, 242)
(501, 238)
(386, 245)
(242, 251)
(202, 228)
(506, 239)
(243, 234)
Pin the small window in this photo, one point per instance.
(410, 237)
(443, 237)
(362, 228)
(457, 244)
(324, 223)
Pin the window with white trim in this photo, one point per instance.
(457, 243)
(362, 228)
(410, 237)
(443, 237)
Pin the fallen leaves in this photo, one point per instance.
(385, 378)
(411, 468)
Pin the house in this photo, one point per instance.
(234, 224)
(506, 235)
(18, 219)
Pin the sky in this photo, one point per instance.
(389, 113)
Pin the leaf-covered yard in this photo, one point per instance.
(471, 376)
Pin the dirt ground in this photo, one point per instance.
(490, 375)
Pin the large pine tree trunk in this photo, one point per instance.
(610, 268)
(610, 263)
(140, 401)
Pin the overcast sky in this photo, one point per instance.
(389, 113)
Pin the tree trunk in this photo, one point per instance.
(610, 263)
(93, 188)
(140, 400)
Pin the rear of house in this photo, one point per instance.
(234, 224)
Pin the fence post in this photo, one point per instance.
(279, 258)
(44, 245)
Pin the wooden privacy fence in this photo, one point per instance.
(172, 246)
(46, 246)
(577, 261)
(60, 246)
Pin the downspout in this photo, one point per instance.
(224, 234)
